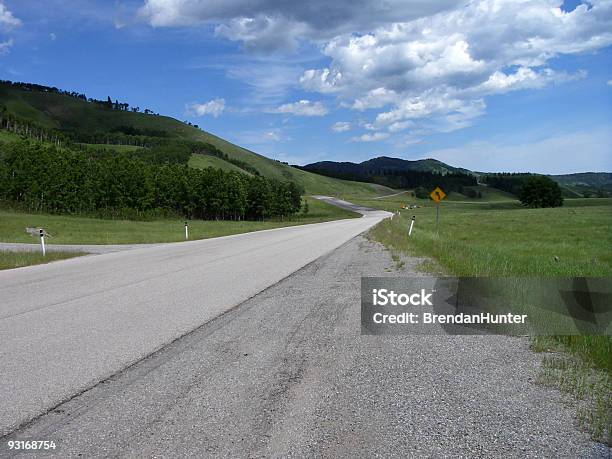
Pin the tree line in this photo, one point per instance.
(42, 177)
(532, 190)
(509, 182)
(401, 179)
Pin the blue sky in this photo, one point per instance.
(511, 85)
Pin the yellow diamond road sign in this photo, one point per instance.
(437, 195)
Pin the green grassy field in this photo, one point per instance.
(111, 147)
(6, 136)
(83, 230)
(11, 260)
(202, 161)
(508, 241)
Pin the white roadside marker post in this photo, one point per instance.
(42, 242)
(186, 231)
(411, 225)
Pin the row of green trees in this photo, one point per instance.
(40, 177)
(532, 190)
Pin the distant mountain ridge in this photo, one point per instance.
(398, 173)
(574, 185)
(384, 163)
(590, 179)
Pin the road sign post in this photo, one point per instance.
(42, 242)
(436, 196)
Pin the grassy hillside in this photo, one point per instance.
(117, 148)
(202, 161)
(488, 194)
(6, 136)
(63, 112)
(312, 183)
(58, 111)
(592, 179)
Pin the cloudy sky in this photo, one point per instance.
(509, 85)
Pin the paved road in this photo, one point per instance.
(68, 325)
(347, 205)
(390, 195)
(287, 374)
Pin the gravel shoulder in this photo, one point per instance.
(287, 374)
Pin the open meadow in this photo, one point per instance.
(501, 238)
(85, 230)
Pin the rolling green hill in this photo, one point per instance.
(69, 114)
(202, 161)
(585, 184)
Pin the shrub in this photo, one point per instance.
(540, 191)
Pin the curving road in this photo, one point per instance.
(68, 325)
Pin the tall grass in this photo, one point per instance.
(86, 230)
(10, 260)
(562, 242)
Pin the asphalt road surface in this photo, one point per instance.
(287, 374)
(66, 326)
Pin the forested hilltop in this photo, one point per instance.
(422, 175)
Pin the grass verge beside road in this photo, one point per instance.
(513, 241)
(503, 239)
(10, 260)
(84, 230)
(590, 386)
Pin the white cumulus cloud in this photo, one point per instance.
(439, 68)
(5, 46)
(374, 137)
(7, 20)
(341, 126)
(213, 107)
(302, 108)
(7, 23)
(417, 65)
(268, 24)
